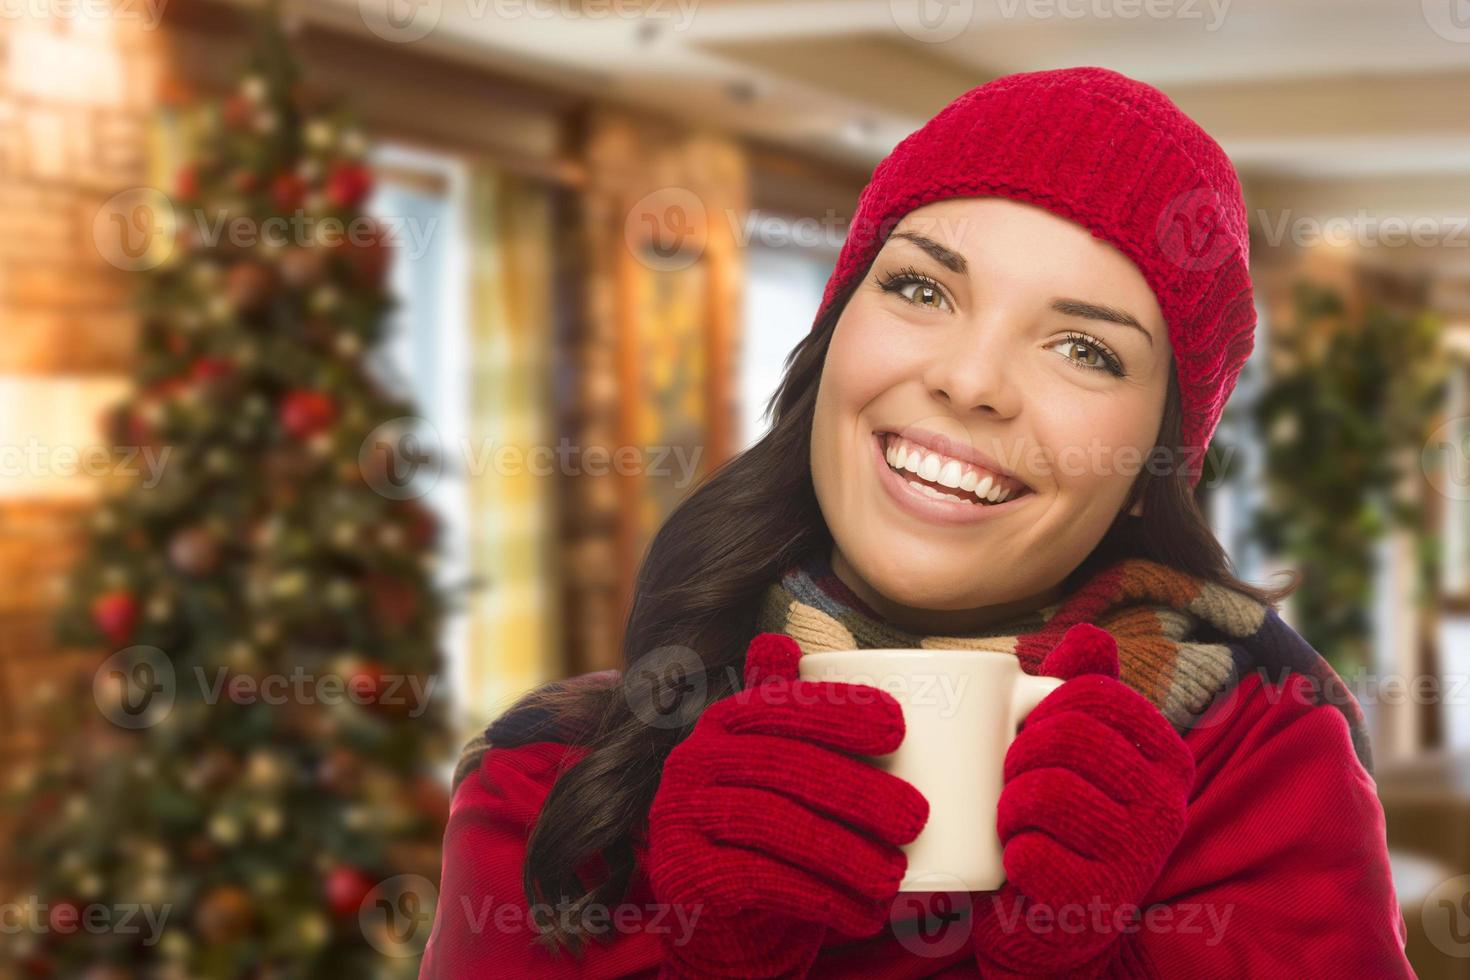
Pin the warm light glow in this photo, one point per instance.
(70, 60)
(50, 436)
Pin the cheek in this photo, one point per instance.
(1097, 445)
(864, 359)
(862, 364)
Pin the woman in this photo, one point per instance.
(989, 440)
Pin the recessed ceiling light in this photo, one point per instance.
(742, 91)
(859, 131)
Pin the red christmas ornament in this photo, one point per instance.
(244, 181)
(394, 603)
(365, 683)
(237, 111)
(206, 369)
(303, 266)
(163, 390)
(368, 255)
(431, 800)
(340, 770)
(420, 525)
(225, 914)
(194, 550)
(133, 430)
(288, 190)
(346, 888)
(249, 286)
(186, 182)
(115, 613)
(305, 412)
(348, 184)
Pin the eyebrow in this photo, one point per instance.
(950, 259)
(955, 262)
(1092, 311)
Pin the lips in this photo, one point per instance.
(932, 502)
(929, 441)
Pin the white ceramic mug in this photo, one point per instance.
(961, 709)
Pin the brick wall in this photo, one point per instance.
(74, 103)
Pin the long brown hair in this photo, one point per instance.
(697, 590)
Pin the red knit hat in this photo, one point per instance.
(1117, 157)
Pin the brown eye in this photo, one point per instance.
(1090, 357)
(1094, 356)
(916, 288)
(923, 295)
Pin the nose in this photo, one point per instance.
(973, 370)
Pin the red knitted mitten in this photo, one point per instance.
(1096, 792)
(766, 830)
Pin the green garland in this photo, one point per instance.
(1344, 423)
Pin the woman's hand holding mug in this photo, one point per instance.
(1095, 798)
(765, 824)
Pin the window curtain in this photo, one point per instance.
(513, 630)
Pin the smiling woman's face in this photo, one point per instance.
(988, 332)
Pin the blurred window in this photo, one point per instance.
(419, 196)
(783, 288)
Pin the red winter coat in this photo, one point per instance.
(1282, 870)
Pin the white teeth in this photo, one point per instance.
(929, 491)
(944, 471)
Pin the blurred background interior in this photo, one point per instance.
(611, 222)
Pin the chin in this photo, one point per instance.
(918, 583)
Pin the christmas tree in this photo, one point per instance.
(247, 785)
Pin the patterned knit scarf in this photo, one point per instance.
(1182, 642)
